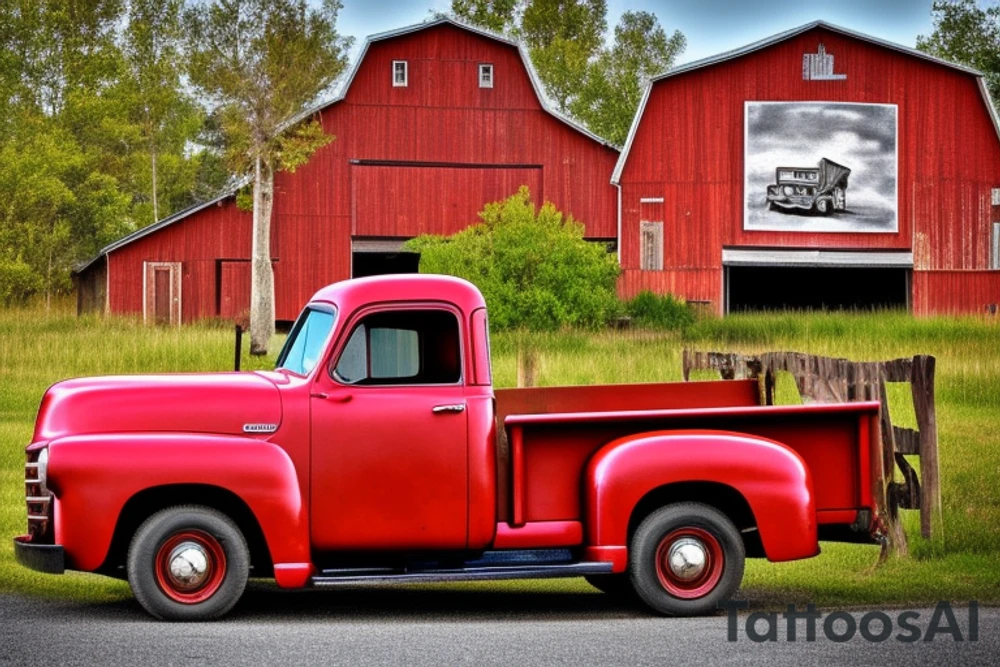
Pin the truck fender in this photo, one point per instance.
(94, 476)
(770, 476)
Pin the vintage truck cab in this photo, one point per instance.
(378, 451)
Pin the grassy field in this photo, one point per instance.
(38, 348)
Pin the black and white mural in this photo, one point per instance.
(820, 167)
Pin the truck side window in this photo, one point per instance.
(402, 347)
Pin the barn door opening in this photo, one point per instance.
(378, 257)
(162, 292)
(382, 263)
(756, 288)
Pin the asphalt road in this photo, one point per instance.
(443, 627)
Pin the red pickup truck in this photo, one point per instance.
(378, 451)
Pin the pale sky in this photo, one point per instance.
(711, 26)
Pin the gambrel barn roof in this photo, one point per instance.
(777, 39)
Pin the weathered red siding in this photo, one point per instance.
(956, 292)
(449, 197)
(469, 143)
(216, 232)
(689, 150)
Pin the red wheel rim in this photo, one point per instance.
(190, 566)
(694, 585)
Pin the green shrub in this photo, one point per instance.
(659, 311)
(17, 282)
(534, 268)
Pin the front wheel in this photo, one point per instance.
(188, 563)
(685, 559)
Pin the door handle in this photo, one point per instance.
(457, 407)
(336, 397)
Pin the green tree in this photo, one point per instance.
(262, 62)
(55, 210)
(58, 177)
(497, 15)
(533, 266)
(598, 84)
(967, 33)
(610, 97)
(165, 117)
(563, 37)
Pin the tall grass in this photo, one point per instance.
(39, 348)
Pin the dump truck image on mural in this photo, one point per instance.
(819, 189)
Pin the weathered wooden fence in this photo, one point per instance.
(832, 380)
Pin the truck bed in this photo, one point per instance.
(544, 452)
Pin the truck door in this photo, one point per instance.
(389, 436)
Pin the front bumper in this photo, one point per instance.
(48, 558)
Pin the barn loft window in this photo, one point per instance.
(995, 196)
(486, 75)
(651, 246)
(399, 74)
(995, 248)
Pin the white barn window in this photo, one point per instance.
(400, 77)
(995, 196)
(651, 246)
(486, 75)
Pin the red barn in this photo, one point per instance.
(819, 167)
(432, 121)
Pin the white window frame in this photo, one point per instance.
(653, 231)
(995, 247)
(995, 196)
(396, 82)
(486, 82)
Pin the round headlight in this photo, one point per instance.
(788, 190)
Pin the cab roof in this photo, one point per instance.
(349, 295)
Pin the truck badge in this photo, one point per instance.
(260, 428)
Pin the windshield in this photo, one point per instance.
(305, 343)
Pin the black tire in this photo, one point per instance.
(616, 585)
(213, 533)
(653, 579)
(823, 207)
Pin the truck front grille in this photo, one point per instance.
(39, 503)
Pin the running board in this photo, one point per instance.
(347, 577)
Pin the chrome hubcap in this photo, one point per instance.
(189, 565)
(687, 558)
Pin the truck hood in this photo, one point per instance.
(221, 403)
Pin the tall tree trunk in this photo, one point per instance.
(48, 285)
(152, 154)
(261, 272)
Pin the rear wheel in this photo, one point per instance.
(188, 563)
(685, 559)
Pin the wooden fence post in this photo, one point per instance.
(527, 366)
(922, 386)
